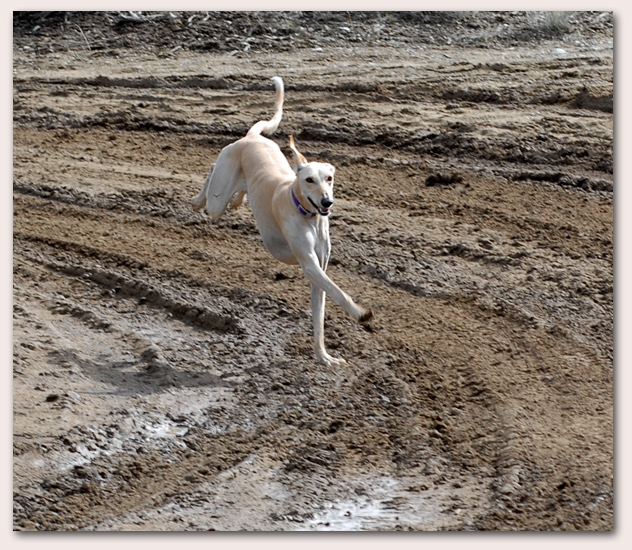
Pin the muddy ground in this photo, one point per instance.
(163, 376)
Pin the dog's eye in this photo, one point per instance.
(329, 178)
(309, 180)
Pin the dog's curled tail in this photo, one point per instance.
(269, 126)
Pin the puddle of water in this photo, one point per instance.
(386, 506)
(165, 430)
(353, 516)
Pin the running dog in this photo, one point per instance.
(291, 207)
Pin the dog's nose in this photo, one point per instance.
(326, 202)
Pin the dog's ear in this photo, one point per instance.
(299, 159)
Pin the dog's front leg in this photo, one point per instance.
(316, 275)
(318, 320)
(323, 251)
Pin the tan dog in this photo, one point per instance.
(291, 208)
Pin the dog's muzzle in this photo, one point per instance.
(325, 205)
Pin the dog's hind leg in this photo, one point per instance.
(237, 200)
(199, 202)
(226, 180)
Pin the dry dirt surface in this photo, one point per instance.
(163, 376)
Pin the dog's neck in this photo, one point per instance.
(296, 199)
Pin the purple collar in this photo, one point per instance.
(302, 210)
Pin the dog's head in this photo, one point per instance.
(315, 180)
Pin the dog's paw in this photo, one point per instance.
(366, 316)
(197, 205)
(329, 361)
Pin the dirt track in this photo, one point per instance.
(163, 372)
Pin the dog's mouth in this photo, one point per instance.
(320, 209)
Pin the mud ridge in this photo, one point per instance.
(146, 293)
(156, 203)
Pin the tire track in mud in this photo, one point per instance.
(387, 246)
(140, 290)
(535, 143)
(541, 150)
(383, 89)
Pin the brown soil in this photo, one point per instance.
(163, 372)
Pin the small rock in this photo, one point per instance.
(73, 397)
